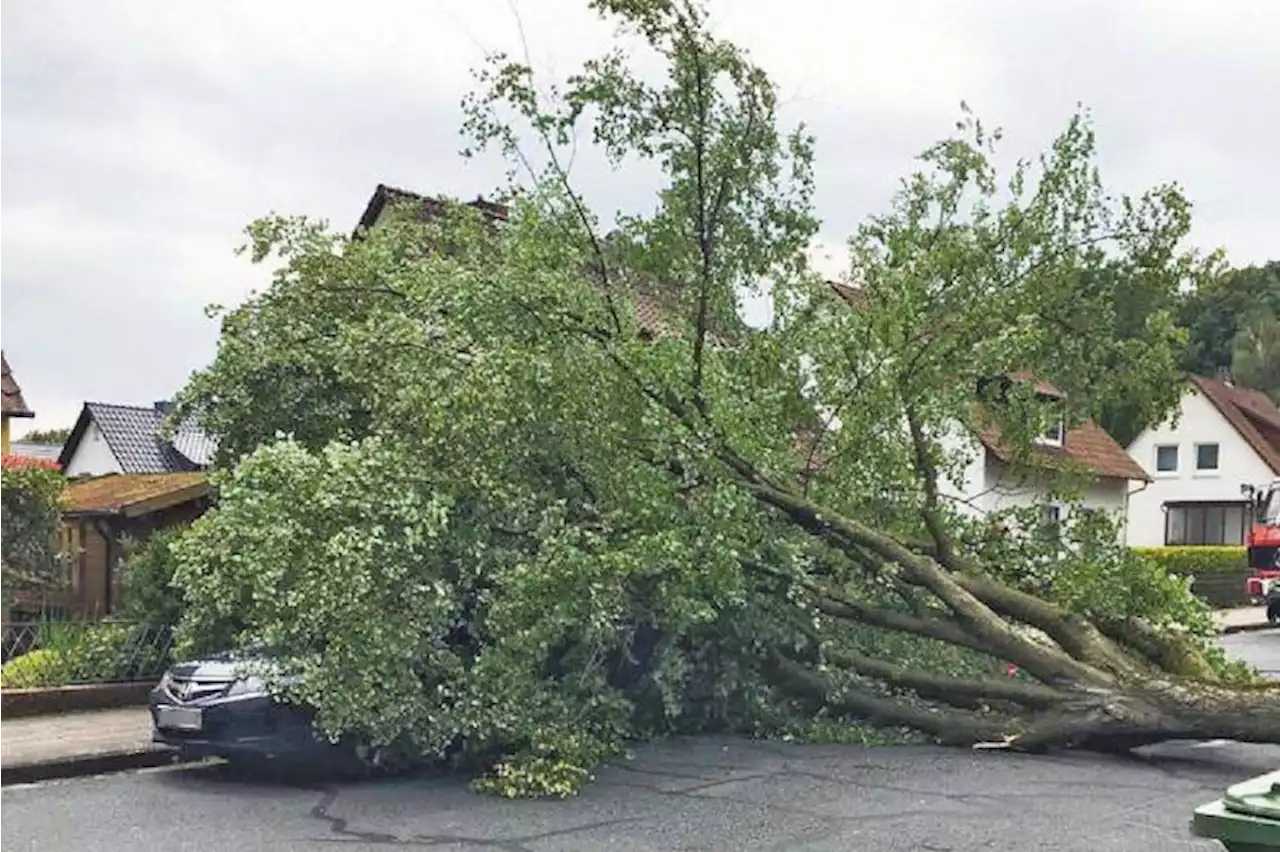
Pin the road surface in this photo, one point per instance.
(702, 793)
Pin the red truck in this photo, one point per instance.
(1263, 547)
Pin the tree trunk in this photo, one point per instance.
(1089, 718)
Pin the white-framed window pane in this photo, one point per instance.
(1214, 524)
(1206, 457)
(1176, 525)
(1233, 529)
(1167, 459)
(1206, 523)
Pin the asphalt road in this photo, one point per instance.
(1262, 648)
(702, 793)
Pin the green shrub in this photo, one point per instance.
(42, 667)
(98, 654)
(149, 594)
(71, 652)
(1197, 560)
(30, 552)
(1219, 572)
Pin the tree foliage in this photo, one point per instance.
(47, 436)
(490, 512)
(1216, 313)
(150, 597)
(1255, 356)
(31, 511)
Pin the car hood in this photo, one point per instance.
(227, 666)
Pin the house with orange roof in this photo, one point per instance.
(1220, 438)
(1082, 457)
(14, 407)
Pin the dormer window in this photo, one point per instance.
(1055, 435)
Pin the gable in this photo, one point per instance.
(88, 454)
(1200, 420)
(128, 439)
(1251, 414)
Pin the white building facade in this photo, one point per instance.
(1221, 438)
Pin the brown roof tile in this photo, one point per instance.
(13, 404)
(132, 494)
(1086, 445)
(1250, 412)
(1042, 387)
(431, 207)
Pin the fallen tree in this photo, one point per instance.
(528, 498)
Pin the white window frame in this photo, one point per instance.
(1050, 441)
(1208, 471)
(1177, 459)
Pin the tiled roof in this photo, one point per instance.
(1251, 413)
(853, 295)
(1042, 387)
(431, 207)
(132, 494)
(13, 403)
(1086, 445)
(133, 434)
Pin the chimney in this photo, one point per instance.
(164, 406)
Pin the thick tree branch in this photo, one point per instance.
(953, 727)
(927, 471)
(1044, 663)
(1074, 634)
(959, 692)
(1171, 653)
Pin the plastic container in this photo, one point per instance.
(1247, 819)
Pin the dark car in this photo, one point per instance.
(219, 707)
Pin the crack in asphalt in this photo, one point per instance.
(341, 827)
(976, 805)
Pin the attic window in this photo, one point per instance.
(1055, 435)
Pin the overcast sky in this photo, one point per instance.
(140, 137)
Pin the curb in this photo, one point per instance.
(80, 765)
(1247, 628)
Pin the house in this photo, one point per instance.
(995, 479)
(14, 407)
(1220, 438)
(100, 513)
(651, 316)
(129, 439)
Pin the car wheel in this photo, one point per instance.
(380, 760)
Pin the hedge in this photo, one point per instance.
(1219, 572)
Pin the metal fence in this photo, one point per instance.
(78, 652)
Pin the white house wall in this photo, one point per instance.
(988, 485)
(1004, 488)
(966, 487)
(1200, 423)
(93, 457)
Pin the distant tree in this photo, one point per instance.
(1255, 356)
(1215, 314)
(47, 436)
(1133, 303)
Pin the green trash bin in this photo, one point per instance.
(1247, 819)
